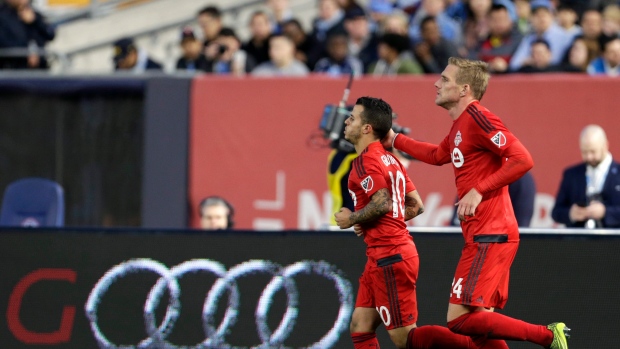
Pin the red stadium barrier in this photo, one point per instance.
(249, 139)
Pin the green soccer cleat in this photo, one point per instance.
(560, 334)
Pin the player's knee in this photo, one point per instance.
(361, 324)
(399, 339)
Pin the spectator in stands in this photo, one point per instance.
(589, 194)
(193, 59)
(395, 57)
(543, 27)
(210, 21)
(504, 37)
(338, 61)
(280, 13)
(346, 5)
(524, 13)
(303, 43)
(228, 57)
(258, 45)
(567, 19)
(329, 22)
(128, 57)
(21, 27)
(396, 23)
(362, 41)
(450, 28)
(282, 59)
(433, 51)
(475, 27)
(592, 30)
(216, 213)
(577, 58)
(611, 20)
(609, 62)
(540, 60)
(379, 11)
(457, 10)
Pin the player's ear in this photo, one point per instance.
(367, 128)
(464, 90)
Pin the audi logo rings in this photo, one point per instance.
(282, 278)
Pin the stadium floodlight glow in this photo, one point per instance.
(282, 278)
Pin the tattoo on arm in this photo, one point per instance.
(413, 207)
(380, 204)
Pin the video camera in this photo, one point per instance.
(332, 122)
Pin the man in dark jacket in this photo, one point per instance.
(589, 195)
(127, 56)
(21, 27)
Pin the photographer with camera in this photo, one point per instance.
(225, 56)
(589, 195)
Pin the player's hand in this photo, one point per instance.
(342, 218)
(468, 204)
(358, 230)
(388, 139)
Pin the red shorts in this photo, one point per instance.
(388, 285)
(482, 275)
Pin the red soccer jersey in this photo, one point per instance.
(373, 170)
(476, 146)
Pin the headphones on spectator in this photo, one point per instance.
(218, 201)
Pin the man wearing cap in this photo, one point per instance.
(128, 57)
(193, 59)
(543, 27)
(362, 41)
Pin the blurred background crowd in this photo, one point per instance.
(299, 37)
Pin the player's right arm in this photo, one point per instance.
(380, 204)
(413, 205)
(434, 154)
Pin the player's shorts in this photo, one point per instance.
(483, 272)
(389, 285)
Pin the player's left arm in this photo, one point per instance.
(517, 160)
(413, 205)
(380, 204)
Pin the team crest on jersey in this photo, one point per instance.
(367, 184)
(499, 139)
(458, 139)
(457, 158)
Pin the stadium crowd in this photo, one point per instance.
(380, 37)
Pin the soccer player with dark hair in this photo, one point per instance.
(384, 198)
(486, 157)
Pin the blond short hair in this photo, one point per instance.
(473, 73)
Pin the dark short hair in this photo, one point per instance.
(377, 113)
(295, 22)
(211, 11)
(498, 7)
(426, 20)
(228, 32)
(541, 41)
(400, 43)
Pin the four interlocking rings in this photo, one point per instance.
(282, 277)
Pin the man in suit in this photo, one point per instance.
(589, 195)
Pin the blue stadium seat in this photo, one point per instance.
(33, 202)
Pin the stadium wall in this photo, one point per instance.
(99, 288)
(255, 141)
